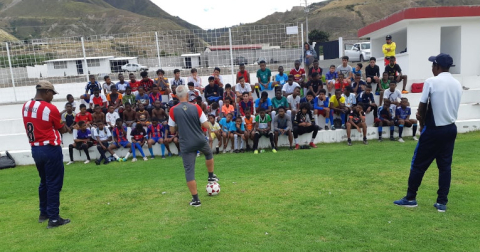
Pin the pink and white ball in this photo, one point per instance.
(213, 188)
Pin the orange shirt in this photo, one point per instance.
(248, 123)
(226, 110)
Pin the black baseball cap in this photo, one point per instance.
(443, 60)
(389, 37)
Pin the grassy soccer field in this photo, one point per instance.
(334, 198)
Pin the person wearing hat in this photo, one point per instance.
(43, 127)
(437, 113)
(388, 49)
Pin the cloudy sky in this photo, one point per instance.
(209, 14)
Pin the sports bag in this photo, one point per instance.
(7, 161)
(417, 87)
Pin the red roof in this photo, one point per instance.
(235, 47)
(419, 13)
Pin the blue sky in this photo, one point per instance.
(209, 14)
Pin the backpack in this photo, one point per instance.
(7, 161)
(417, 87)
(337, 123)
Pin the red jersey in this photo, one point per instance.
(341, 86)
(86, 118)
(42, 122)
(100, 100)
(297, 74)
(245, 75)
(146, 84)
(313, 70)
(135, 85)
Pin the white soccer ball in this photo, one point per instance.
(213, 188)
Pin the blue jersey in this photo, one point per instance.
(265, 104)
(403, 113)
(226, 126)
(383, 113)
(281, 79)
(320, 105)
(331, 76)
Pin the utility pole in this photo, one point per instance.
(306, 21)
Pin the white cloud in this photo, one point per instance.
(209, 14)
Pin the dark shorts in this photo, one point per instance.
(190, 157)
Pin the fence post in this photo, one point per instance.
(340, 47)
(301, 48)
(11, 71)
(231, 56)
(158, 50)
(85, 60)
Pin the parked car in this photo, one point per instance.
(359, 52)
(240, 60)
(133, 67)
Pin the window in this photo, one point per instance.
(93, 62)
(60, 65)
(366, 46)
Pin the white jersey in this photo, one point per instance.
(287, 88)
(392, 96)
(293, 101)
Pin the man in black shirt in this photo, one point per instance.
(315, 84)
(395, 71)
(213, 92)
(372, 71)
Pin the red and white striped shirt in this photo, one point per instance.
(42, 122)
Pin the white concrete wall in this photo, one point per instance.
(470, 47)
(104, 67)
(37, 71)
(71, 70)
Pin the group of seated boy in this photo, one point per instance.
(236, 118)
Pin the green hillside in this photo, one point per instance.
(26, 19)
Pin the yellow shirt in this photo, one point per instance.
(214, 127)
(334, 100)
(392, 47)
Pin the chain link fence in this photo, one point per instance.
(71, 59)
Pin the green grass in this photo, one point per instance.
(334, 198)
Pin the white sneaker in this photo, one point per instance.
(145, 158)
(86, 162)
(415, 138)
(401, 140)
(70, 162)
(134, 160)
(224, 151)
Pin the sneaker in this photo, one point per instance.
(213, 179)
(170, 154)
(106, 161)
(343, 126)
(406, 203)
(380, 139)
(415, 138)
(152, 157)
(326, 127)
(404, 91)
(401, 140)
(70, 162)
(134, 160)
(217, 150)
(365, 141)
(255, 152)
(163, 156)
(248, 148)
(236, 151)
(231, 151)
(274, 150)
(291, 148)
(312, 145)
(42, 218)
(57, 223)
(297, 146)
(198, 155)
(242, 151)
(86, 162)
(195, 203)
(349, 142)
(145, 159)
(97, 162)
(333, 127)
(392, 138)
(124, 159)
(440, 207)
(224, 151)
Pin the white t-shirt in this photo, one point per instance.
(287, 88)
(350, 100)
(107, 87)
(445, 93)
(196, 83)
(293, 101)
(246, 88)
(103, 134)
(111, 118)
(392, 96)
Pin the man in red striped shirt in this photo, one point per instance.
(43, 126)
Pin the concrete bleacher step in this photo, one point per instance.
(24, 156)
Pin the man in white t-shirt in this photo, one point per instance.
(102, 135)
(437, 113)
(294, 100)
(393, 95)
(242, 87)
(111, 117)
(290, 86)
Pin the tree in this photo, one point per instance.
(318, 36)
